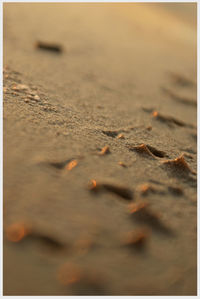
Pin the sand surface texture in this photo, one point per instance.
(100, 149)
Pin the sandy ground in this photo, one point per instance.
(125, 82)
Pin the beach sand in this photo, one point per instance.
(100, 149)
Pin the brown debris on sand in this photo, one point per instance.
(120, 136)
(148, 150)
(146, 189)
(169, 120)
(142, 149)
(179, 164)
(71, 164)
(122, 192)
(110, 133)
(136, 239)
(49, 47)
(16, 232)
(122, 164)
(141, 213)
(83, 281)
(21, 231)
(105, 150)
(68, 164)
(177, 191)
(69, 274)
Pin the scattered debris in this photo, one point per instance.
(148, 150)
(49, 47)
(104, 151)
(83, 281)
(20, 231)
(122, 192)
(17, 231)
(111, 133)
(141, 213)
(179, 164)
(176, 190)
(71, 165)
(69, 273)
(169, 120)
(136, 239)
(146, 189)
(120, 136)
(93, 186)
(122, 164)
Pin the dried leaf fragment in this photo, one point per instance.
(148, 150)
(105, 150)
(179, 164)
(71, 164)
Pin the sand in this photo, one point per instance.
(100, 152)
